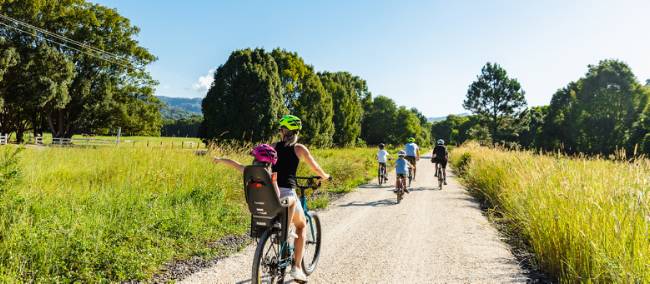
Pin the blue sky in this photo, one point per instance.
(422, 54)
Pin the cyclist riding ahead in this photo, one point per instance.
(402, 167)
(412, 153)
(440, 156)
(382, 157)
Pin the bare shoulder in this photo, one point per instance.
(300, 148)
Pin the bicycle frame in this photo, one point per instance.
(286, 248)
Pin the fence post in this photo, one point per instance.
(119, 133)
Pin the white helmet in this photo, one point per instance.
(441, 142)
(401, 153)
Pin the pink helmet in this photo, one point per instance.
(265, 153)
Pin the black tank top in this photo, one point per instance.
(287, 165)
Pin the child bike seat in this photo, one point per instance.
(263, 202)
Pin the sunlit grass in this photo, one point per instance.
(586, 220)
(120, 213)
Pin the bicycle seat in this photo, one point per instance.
(263, 202)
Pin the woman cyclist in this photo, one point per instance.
(290, 153)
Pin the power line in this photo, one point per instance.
(66, 42)
(62, 44)
(80, 44)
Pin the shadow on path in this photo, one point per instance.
(374, 185)
(377, 203)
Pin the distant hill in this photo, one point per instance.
(436, 119)
(178, 108)
(441, 118)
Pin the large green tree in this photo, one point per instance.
(348, 93)
(36, 88)
(407, 125)
(424, 137)
(532, 121)
(560, 124)
(600, 113)
(608, 103)
(450, 130)
(379, 123)
(245, 99)
(105, 91)
(495, 98)
(305, 96)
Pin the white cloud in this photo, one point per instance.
(204, 83)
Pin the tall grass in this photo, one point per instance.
(120, 213)
(586, 220)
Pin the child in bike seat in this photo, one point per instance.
(266, 156)
(263, 155)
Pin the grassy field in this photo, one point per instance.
(586, 220)
(119, 213)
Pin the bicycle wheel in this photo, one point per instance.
(266, 261)
(400, 189)
(440, 177)
(410, 177)
(380, 176)
(312, 243)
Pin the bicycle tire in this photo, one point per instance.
(440, 177)
(275, 276)
(309, 265)
(380, 176)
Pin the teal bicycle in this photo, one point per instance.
(275, 252)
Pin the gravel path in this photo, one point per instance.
(431, 237)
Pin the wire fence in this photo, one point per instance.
(154, 142)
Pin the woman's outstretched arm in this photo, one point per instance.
(303, 153)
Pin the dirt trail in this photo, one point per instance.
(431, 237)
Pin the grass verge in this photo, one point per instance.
(111, 214)
(585, 220)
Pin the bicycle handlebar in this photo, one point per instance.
(313, 182)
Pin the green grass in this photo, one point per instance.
(111, 214)
(585, 220)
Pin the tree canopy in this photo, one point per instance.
(606, 110)
(46, 85)
(495, 98)
(245, 100)
(600, 113)
(305, 96)
(347, 93)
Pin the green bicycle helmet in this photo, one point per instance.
(291, 122)
(410, 140)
